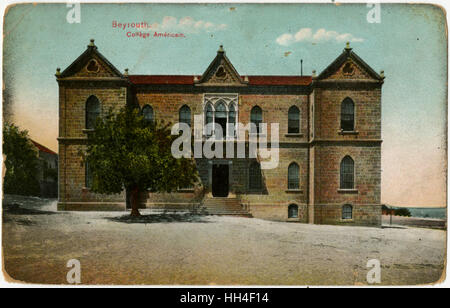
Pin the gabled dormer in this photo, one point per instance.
(349, 67)
(90, 64)
(220, 73)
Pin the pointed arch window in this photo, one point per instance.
(185, 115)
(147, 112)
(93, 109)
(293, 120)
(293, 176)
(347, 173)
(347, 115)
(256, 119)
(255, 178)
(220, 112)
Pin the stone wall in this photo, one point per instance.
(363, 215)
(73, 194)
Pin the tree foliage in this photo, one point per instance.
(125, 151)
(22, 162)
(402, 212)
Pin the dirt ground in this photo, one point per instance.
(181, 249)
(416, 222)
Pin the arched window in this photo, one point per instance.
(293, 176)
(92, 111)
(209, 118)
(147, 112)
(256, 118)
(185, 115)
(347, 211)
(293, 211)
(232, 121)
(220, 117)
(348, 115)
(255, 178)
(347, 173)
(293, 120)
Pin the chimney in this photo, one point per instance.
(301, 67)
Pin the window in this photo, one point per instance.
(347, 211)
(348, 115)
(147, 112)
(221, 72)
(293, 120)
(88, 176)
(185, 115)
(220, 118)
(293, 211)
(209, 117)
(92, 111)
(232, 121)
(92, 67)
(220, 112)
(347, 173)
(256, 118)
(293, 176)
(255, 179)
(348, 69)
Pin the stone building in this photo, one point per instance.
(47, 171)
(329, 169)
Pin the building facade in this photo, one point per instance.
(47, 171)
(329, 169)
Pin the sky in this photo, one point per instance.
(409, 44)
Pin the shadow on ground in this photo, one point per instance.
(158, 218)
(393, 227)
(16, 209)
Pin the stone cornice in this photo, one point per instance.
(117, 80)
(341, 141)
(347, 84)
(242, 90)
(282, 144)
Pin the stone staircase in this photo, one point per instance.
(222, 206)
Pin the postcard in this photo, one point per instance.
(214, 144)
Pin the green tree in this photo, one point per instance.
(22, 162)
(402, 212)
(127, 152)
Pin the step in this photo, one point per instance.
(222, 206)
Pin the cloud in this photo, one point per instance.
(285, 39)
(187, 25)
(321, 35)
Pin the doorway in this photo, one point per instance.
(220, 180)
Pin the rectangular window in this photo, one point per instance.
(347, 212)
(88, 176)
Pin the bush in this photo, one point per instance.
(402, 212)
(21, 176)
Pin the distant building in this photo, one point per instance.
(329, 146)
(48, 171)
